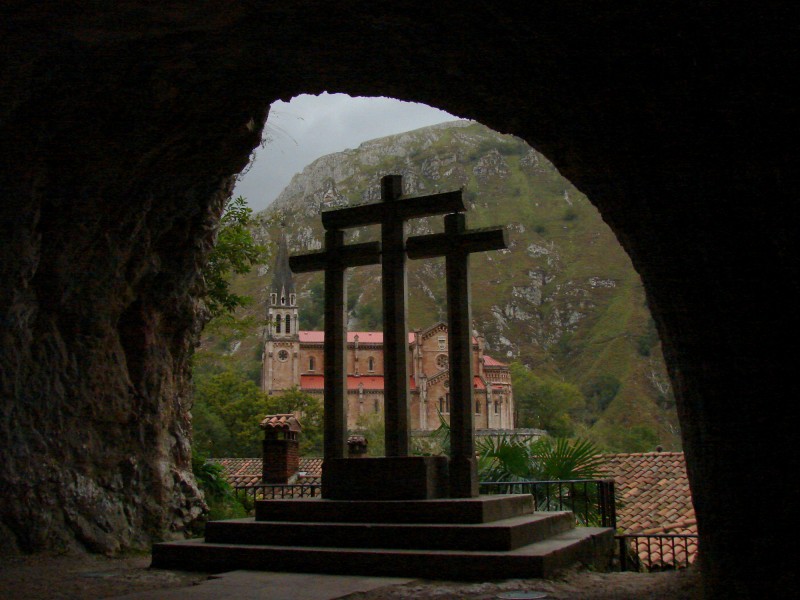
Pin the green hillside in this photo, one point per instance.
(563, 300)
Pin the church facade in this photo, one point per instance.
(294, 357)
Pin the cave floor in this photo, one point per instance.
(86, 577)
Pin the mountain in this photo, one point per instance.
(563, 299)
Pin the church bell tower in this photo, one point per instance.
(280, 368)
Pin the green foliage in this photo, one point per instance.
(310, 414)
(219, 497)
(370, 316)
(646, 341)
(228, 408)
(371, 426)
(545, 402)
(234, 251)
(313, 304)
(437, 443)
(515, 458)
(636, 438)
(600, 391)
(520, 458)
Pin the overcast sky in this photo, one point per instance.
(307, 127)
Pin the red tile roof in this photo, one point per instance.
(488, 361)
(653, 497)
(246, 472)
(286, 422)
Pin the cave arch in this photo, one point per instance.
(122, 130)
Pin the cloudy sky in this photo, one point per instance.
(308, 127)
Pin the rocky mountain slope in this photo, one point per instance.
(563, 299)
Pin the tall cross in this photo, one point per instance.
(391, 214)
(456, 244)
(334, 260)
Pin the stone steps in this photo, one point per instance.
(489, 537)
(504, 534)
(589, 545)
(483, 509)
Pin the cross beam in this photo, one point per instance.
(334, 260)
(391, 214)
(456, 244)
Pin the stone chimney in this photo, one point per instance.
(281, 458)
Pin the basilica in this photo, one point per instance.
(294, 358)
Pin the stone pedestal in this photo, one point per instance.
(386, 478)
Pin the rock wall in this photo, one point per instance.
(121, 128)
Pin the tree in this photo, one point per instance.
(309, 411)
(545, 402)
(228, 409)
(549, 461)
(234, 251)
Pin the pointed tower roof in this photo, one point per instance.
(282, 278)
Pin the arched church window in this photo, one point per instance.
(288, 327)
(278, 321)
(273, 298)
(292, 299)
(283, 300)
(477, 407)
(311, 363)
(371, 364)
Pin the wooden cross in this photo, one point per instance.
(456, 244)
(334, 260)
(391, 214)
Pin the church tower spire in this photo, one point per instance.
(282, 340)
(282, 314)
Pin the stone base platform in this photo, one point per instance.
(386, 478)
(484, 538)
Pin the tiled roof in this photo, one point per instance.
(653, 497)
(247, 471)
(488, 361)
(286, 422)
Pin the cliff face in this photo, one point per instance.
(563, 299)
(95, 348)
(108, 210)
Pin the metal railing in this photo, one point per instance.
(277, 491)
(590, 500)
(656, 552)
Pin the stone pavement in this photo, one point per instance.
(261, 585)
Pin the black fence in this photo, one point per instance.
(590, 500)
(656, 552)
(276, 491)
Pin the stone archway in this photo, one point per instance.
(121, 131)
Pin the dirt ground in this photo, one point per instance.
(79, 576)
